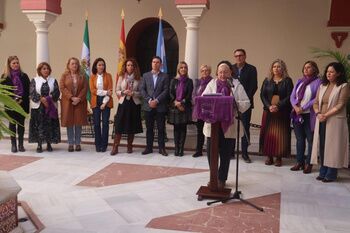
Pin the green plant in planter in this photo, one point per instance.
(7, 103)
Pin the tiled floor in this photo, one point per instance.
(50, 187)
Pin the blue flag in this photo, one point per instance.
(161, 47)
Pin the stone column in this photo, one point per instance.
(192, 13)
(41, 20)
(42, 13)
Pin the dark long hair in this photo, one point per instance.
(339, 68)
(94, 65)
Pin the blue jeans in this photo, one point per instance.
(303, 133)
(328, 173)
(74, 135)
(101, 137)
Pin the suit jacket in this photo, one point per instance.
(107, 85)
(122, 85)
(249, 80)
(159, 92)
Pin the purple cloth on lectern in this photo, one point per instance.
(213, 109)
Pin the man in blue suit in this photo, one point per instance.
(155, 92)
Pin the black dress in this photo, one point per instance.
(42, 128)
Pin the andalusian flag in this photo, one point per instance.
(122, 47)
(160, 44)
(85, 56)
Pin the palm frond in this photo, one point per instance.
(336, 55)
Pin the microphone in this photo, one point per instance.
(230, 83)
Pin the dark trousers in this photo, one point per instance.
(245, 118)
(19, 130)
(200, 136)
(303, 133)
(101, 136)
(225, 152)
(159, 117)
(180, 131)
(325, 172)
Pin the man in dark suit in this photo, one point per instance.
(247, 75)
(155, 92)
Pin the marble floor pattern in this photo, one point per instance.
(49, 186)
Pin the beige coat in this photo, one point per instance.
(336, 151)
(122, 85)
(242, 101)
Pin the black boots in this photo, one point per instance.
(13, 145)
(20, 143)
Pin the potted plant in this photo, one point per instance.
(7, 103)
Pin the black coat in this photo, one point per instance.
(285, 88)
(25, 98)
(175, 116)
(249, 80)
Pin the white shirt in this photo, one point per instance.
(99, 85)
(306, 98)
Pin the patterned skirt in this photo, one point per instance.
(42, 128)
(275, 134)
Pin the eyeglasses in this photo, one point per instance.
(240, 55)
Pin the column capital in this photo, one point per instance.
(192, 11)
(41, 19)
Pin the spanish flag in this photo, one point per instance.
(122, 47)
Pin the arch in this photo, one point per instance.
(141, 43)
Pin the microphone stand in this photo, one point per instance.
(237, 194)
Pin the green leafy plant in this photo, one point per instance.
(336, 55)
(8, 103)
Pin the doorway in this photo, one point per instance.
(141, 43)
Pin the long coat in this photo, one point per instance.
(336, 150)
(243, 104)
(73, 114)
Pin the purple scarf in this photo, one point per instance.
(16, 81)
(222, 87)
(180, 90)
(298, 119)
(51, 110)
(304, 82)
(203, 82)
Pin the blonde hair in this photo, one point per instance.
(283, 67)
(205, 66)
(178, 69)
(67, 71)
(7, 70)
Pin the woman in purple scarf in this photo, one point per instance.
(200, 86)
(13, 76)
(180, 112)
(44, 124)
(303, 115)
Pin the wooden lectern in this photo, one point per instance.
(207, 108)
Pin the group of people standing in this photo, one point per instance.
(316, 107)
